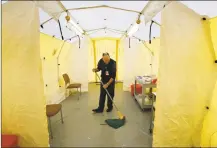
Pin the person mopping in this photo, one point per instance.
(107, 66)
(107, 87)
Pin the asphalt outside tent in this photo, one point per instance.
(182, 54)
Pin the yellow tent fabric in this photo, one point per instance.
(105, 45)
(49, 48)
(23, 101)
(120, 60)
(209, 132)
(77, 62)
(185, 81)
(127, 59)
(91, 62)
(154, 47)
(33, 68)
(59, 57)
(133, 54)
(213, 29)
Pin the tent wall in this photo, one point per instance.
(187, 75)
(23, 102)
(74, 61)
(71, 59)
(155, 48)
(213, 29)
(136, 61)
(128, 59)
(121, 60)
(209, 132)
(91, 64)
(103, 45)
(50, 47)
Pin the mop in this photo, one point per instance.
(114, 123)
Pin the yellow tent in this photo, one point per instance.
(187, 76)
(38, 48)
(23, 100)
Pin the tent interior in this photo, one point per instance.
(173, 42)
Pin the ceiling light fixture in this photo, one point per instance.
(73, 26)
(134, 28)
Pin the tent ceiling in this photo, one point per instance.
(132, 5)
(203, 7)
(91, 19)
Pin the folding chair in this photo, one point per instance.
(71, 85)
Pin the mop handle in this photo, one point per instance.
(106, 91)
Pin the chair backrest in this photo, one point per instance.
(66, 79)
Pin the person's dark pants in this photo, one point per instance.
(111, 90)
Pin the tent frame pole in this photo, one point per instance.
(156, 23)
(60, 30)
(58, 64)
(93, 32)
(94, 57)
(117, 55)
(109, 29)
(94, 7)
(144, 43)
(101, 6)
(104, 6)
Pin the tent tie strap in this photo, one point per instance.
(129, 42)
(79, 41)
(60, 30)
(150, 31)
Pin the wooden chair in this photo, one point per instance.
(52, 110)
(71, 85)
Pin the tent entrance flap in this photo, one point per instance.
(23, 108)
(193, 79)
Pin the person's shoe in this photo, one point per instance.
(109, 109)
(97, 110)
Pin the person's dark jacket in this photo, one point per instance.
(110, 67)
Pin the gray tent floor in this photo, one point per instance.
(82, 128)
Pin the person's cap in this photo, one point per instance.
(106, 53)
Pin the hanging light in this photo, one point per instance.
(134, 28)
(73, 26)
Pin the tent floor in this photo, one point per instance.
(82, 128)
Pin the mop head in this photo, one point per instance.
(116, 123)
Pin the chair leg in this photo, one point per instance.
(66, 93)
(78, 94)
(70, 92)
(61, 113)
(51, 134)
(80, 91)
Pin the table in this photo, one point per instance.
(140, 98)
